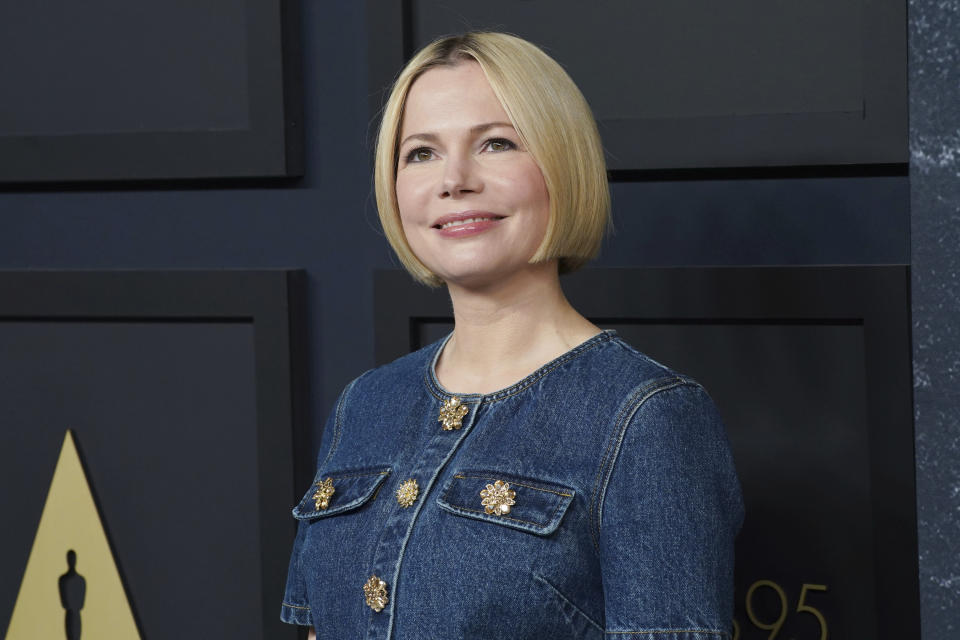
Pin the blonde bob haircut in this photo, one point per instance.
(552, 120)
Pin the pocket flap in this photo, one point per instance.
(350, 489)
(537, 506)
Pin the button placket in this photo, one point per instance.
(388, 556)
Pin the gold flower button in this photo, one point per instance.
(451, 414)
(321, 497)
(498, 498)
(407, 493)
(375, 591)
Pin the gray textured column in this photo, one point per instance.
(935, 222)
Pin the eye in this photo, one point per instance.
(499, 144)
(420, 154)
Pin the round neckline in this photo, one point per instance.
(442, 393)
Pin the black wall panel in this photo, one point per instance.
(179, 390)
(690, 84)
(111, 90)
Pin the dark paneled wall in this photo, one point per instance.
(935, 204)
(326, 224)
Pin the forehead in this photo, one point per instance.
(451, 97)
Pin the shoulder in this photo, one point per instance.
(660, 413)
(623, 375)
(669, 433)
(600, 382)
(659, 399)
(397, 375)
(373, 399)
(643, 367)
(606, 386)
(662, 430)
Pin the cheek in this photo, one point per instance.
(413, 195)
(411, 210)
(536, 195)
(404, 198)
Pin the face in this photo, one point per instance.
(473, 203)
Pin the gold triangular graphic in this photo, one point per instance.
(70, 521)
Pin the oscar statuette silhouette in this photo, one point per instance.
(73, 591)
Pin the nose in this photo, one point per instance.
(460, 176)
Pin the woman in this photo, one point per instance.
(531, 476)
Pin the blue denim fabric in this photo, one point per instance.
(626, 507)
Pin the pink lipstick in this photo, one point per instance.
(466, 223)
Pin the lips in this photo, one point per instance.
(465, 217)
(466, 223)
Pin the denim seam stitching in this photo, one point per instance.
(680, 382)
(338, 423)
(454, 508)
(722, 634)
(613, 447)
(294, 606)
(356, 475)
(527, 522)
(537, 576)
(519, 484)
(594, 530)
(528, 383)
(418, 510)
(560, 504)
(338, 509)
(675, 383)
(522, 385)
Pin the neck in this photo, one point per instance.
(506, 330)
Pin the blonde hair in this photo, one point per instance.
(551, 118)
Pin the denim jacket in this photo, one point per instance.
(594, 498)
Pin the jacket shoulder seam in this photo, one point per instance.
(656, 632)
(637, 398)
(338, 420)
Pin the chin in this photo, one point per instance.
(485, 277)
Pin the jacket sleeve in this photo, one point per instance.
(295, 608)
(670, 510)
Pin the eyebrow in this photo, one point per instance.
(474, 130)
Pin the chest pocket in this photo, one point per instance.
(537, 507)
(334, 492)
